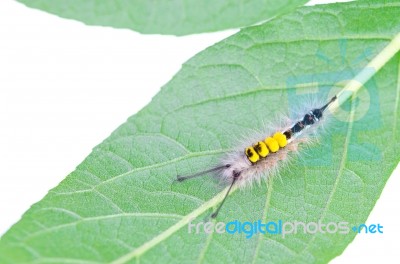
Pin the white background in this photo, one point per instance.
(64, 87)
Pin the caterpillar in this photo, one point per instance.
(261, 158)
(246, 165)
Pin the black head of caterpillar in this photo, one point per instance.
(262, 155)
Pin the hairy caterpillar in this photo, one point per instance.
(248, 164)
(259, 159)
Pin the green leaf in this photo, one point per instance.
(168, 17)
(122, 204)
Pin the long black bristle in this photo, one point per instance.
(186, 177)
(214, 215)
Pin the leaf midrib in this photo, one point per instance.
(174, 228)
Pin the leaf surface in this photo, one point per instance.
(121, 203)
(168, 17)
